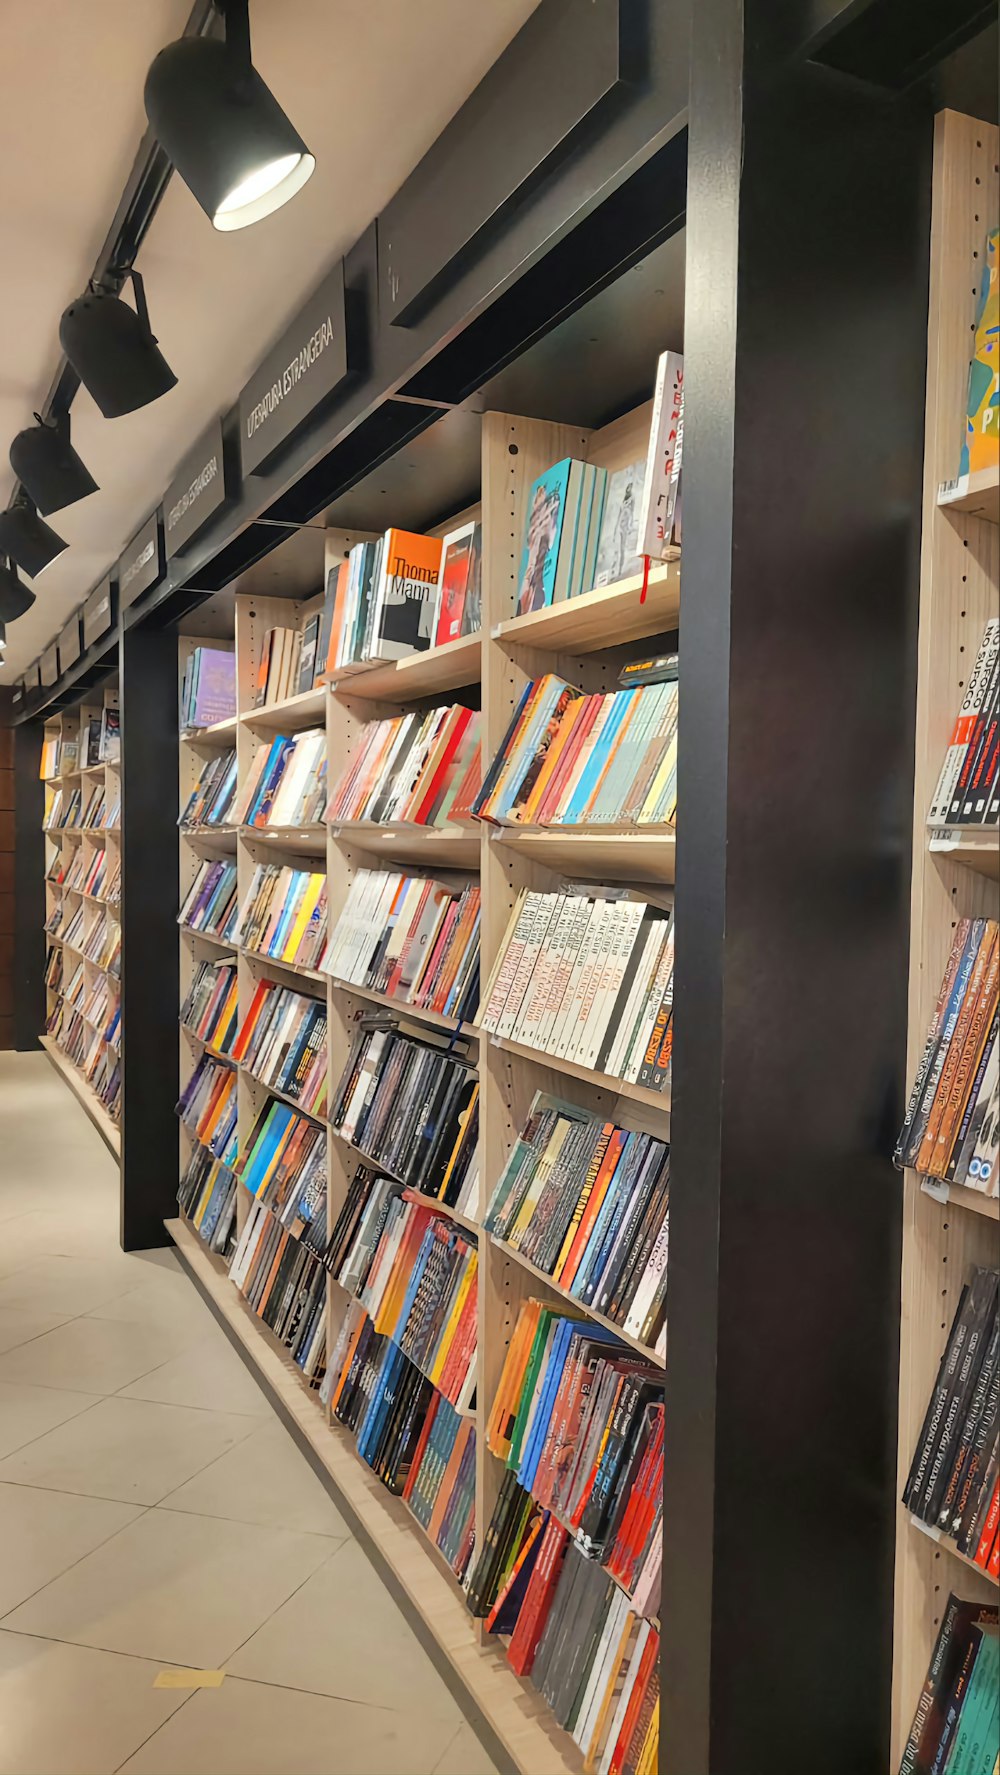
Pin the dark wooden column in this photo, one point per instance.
(805, 344)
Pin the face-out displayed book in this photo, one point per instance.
(210, 1008)
(207, 1107)
(954, 1484)
(207, 1198)
(286, 783)
(401, 1100)
(282, 1042)
(968, 788)
(589, 979)
(955, 1723)
(412, 938)
(981, 435)
(587, 1203)
(283, 915)
(210, 801)
(568, 759)
(285, 1284)
(208, 688)
(952, 1126)
(562, 534)
(417, 769)
(660, 507)
(210, 903)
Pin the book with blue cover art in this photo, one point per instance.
(542, 537)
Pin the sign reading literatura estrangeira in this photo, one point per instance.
(140, 567)
(305, 365)
(197, 491)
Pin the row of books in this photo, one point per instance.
(398, 595)
(208, 688)
(285, 1284)
(54, 967)
(954, 1480)
(417, 1283)
(283, 1165)
(95, 1058)
(952, 1125)
(102, 1009)
(210, 1009)
(210, 904)
(207, 1107)
(422, 769)
(402, 1100)
(587, 1203)
(207, 1196)
(968, 788)
(571, 760)
(955, 1725)
(589, 979)
(286, 783)
(562, 534)
(70, 810)
(98, 742)
(210, 801)
(283, 667)
(282, 1042)
(578, 1420)
(283, 915)
(573, 1633)
(412, 938)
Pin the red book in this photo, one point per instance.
(419, 812)
(538, 1600)
(632, 1711)
(990, 1522)
(454, 583)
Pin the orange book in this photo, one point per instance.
(509, 1389)
(572, 715)
(327, 668)
(646, 1663)
(242, 1042)
(565, 1270)
(348, 1359)
(558, 786)
(461, 807)
(214, 1107)
(500, 763)
(980, 971)
(407, 595)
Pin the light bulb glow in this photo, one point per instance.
(263, 191)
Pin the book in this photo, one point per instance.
(283, 915)
(407, 768)
(457, 560)
(661, 487)
(210, 903)
(405, 596)
(207, 1107)
(207, 1198)
(282, 1164)
(618, 553)
(282, 1042)
(285, 1285)
(562, 529)
(211, 800)
(949, 1485)
(208, 689)
(402, 1101)
(981, 439)
(950, 1689)
(209, 1009)
(951, 1128)
(969, 747)
(286, 782)
(410, 938)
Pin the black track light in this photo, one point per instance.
(27, 539)
(45, 461)
(15, 597)
(112, 349)
(224, 130)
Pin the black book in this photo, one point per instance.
(983, 1293)
(957, 1623)
(969, 1427)
(983, 1445)
(927, 1440)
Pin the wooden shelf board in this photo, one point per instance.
(288, 967)
(106, 1127)
(657, 1101)
(605, 617)
(512, 1709)
(434, 1019)
(611, 854)
(977, 495)
(208, 937)
(456, 847)
(306, 709)
(948, 1546)
(220, 733)
(443, 1208)
(956, 1193)
(420, 674)
(978, 849)
(310, 840)
(216, 837)
(549, 1282)
(282, 1096)
(206, 1047)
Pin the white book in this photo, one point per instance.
(361, 1084)
(562, 985)
(602, 931)
(494, 997)
(534, 932)
(579, 961)
(663, 458)
(647, 1015)
(656, 1263)
(594, 1693)
(536, 997)
(652, 944)
(555, 956)
(626, 929)
(624, 1698)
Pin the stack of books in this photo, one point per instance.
(208, 691)
(416, 769)
(952, 1125)
(588, 979)
(209, 906)
(954, 1483)
(562, 534)
(441, 1485)
(207, 1108)
(574, 760)
(285, 1284)
(286, 783)
(968, 790)
(279, 667)
(211, 1005)
(401, 1101)
(418, 1285)
(282, 1042)
(955, 1724)
(210, 801)
(207, 1197)
(283, 916)
(587, 1203)
(412, 938)
(283, 1165)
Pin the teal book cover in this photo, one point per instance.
(542, 533)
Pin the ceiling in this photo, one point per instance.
(346, 71)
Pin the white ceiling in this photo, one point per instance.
(369, 84)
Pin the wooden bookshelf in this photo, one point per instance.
(614, 854)
(85, 1094)
(978, 850)
(424, 674)
(305, 709)
(975, 495)
(942, 1238)
(605, 617)
(445, 847)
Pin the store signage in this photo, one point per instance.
(305, 366)
(142, 564)
(69, 642)
(48, 665)
(17, 694)
(98, 614)
(197, 492)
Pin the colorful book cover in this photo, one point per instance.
(543, 531)
(982, 421)
(618, 552)
(456, 563)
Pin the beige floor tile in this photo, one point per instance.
(94, 1355)
(187, 1589)
(21, 1327)
(265, 1480)
(43, 1533)
(465, 1756)
(209, 1374)
(167, 1302)
(343, 1635)
(251, 1729)
(27, 1412)
(68, 1710)
(67, 1285)
(128, 1449)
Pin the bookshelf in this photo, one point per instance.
(945, 1232)
(490, 667)
(84, 905)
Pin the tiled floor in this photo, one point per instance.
(154, 1513)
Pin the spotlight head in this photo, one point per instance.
(27, 539)
(47, 465)
(15, 598)
(224, 130)
(112, 349)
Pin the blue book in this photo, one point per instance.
(296, 888)
(625, 1172)
(275, 1130)
(271, 776)
(550, 1383)
(542, 537)
(595, 764)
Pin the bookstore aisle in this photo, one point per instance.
(178, 1592)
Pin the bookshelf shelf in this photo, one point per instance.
(214, 837)
(972, 1200)
(975, 850)
(208, 937)
(657, 1102)
(449, 667)
(605, 617)
(586, 1312)
(454, 847)
(419, 1014)
(615, 855)
(293, 968)
(976, 495)
(948, 1546)
(306, 709)
(444, 1208)
(310, 840)
(260, 1084)
(221, 733)
(106, 1126)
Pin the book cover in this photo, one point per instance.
(663, 460)
(618, 552)
(542, 537)
(406, 599)
(456, 563)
